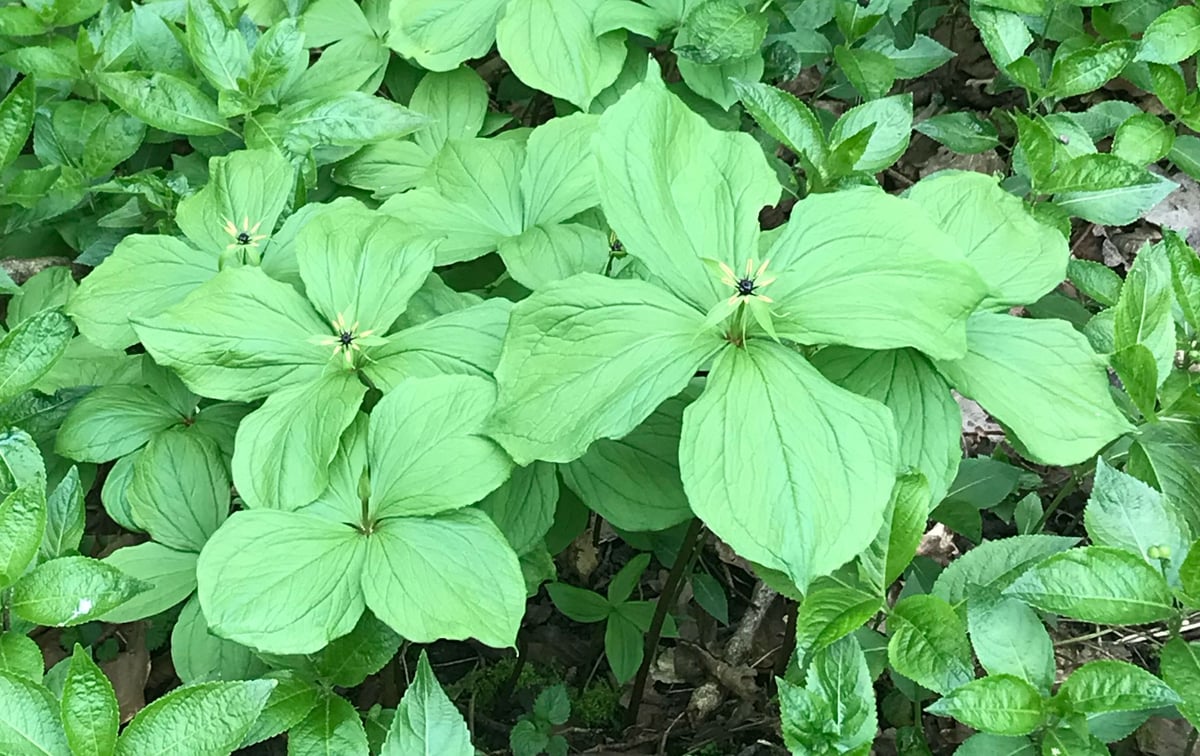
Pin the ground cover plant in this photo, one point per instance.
(599, 376)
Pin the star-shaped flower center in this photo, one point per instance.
(345, 340)
(245, 235)
(747, 286)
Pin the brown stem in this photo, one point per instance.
(670, 591)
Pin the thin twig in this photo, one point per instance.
(669, 592)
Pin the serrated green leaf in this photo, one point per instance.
(1096, 584)
(999, 704)
(228, 709)
(72, 590)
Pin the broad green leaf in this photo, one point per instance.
(16, 120)
(163, 101)
(720, 31)
(155, 45)
(465, 342)
(928, 420)
(470, 200)
(1123, 512)
(986, 744)
(142, 277)
(1096, 280)
(72, 590)
(671, 210)
(64, 516)
(928, 643)
(28, 351)
(359, 270)
(544, 254)
(283, 449)
(871, 73)
(579, 604)
(170, 575)
(897, 540)
(623, 646)
(179, 491)
(1143, 311)
(277, 59)
(633, 482)
(113, 421)
(831, 611)
(112, 493)
(1009, 639)
(558, 180)
(22, 525)
(552, 45)
(1179, 665)
(1110, 685)
(591, 341)
(839, 675)
(1144, 138)
(998, 704)
(1041, 379)
(782, 115)
(890, 121)
(1166, 454)
(1105, 189)
(333, 726)
(200, 656)
(426, 721)
(455, 101)
(836, 468)
(290, 702)
(89, 707)
(282, 582)
(523, 508)
(627, 578)
(1090, 68)
(347, 119)
(805, 719)
(326, 21)
(48, 289)
(1185, 276)
(919, 58)
(20, 461)
(219, 51)
(30, 724)
(226, 709)
(470, 581)
(835, 287)
(1019, 258)
(355, 63)
(963, 132)
(1096, 584)
(1003, 33)
(240, 336)
(441, 34)
(20, 656)
(422, 437)
(246, 192)
(995, 565)
(362, 652)
(1172, 37)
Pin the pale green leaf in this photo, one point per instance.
(72, 590)
(837, 287)
(215, 716)
(928, 643)
(669, 209)
(20, 656)
(552, 45)
(573, 355)
(142, 277)
(170, 575)
(163, 101)
(807, 459)
(247, 190)
(441, 34)
(22, 525)
(452, 576)
(1041, 379)
(30, 724)
(999, 704)
(179, 491)
(241, 336)
(423, 436)
(1019, 258)
(523, 508)
(113, 421)
(200, 656)
(332, 727)
(283, 582)
(1009, 639)
(426, 721)
(89, 707)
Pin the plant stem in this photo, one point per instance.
(1067, 489)
(691, 540)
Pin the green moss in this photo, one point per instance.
(598, 705)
